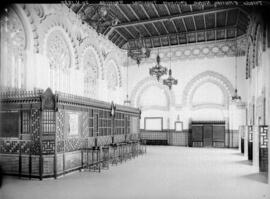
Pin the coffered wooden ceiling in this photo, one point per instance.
(169, 24)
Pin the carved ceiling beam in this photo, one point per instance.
(121, 34)
(176, 16)
(189, 32)
(130, 32)
(122, 12)
(138, 18)
(153, 6)
(194, 23)
(143, 9)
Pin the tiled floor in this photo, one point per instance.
(164, 172)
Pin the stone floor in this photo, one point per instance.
(164, 172)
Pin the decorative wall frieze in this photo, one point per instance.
(201, 50)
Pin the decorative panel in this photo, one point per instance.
(48, 146)
(263, 150)
(263, 136)
(250, 133)
(73, 144)
(90, 68)
(35, 129)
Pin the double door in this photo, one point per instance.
(208, 134)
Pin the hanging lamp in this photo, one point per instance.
(158, 70)
(139, 50)
(170, 80)
(236, 98)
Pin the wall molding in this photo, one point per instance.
(202, 50)
(209, 105)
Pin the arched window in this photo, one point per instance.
(59, 57)
(90, 74)
(13, 44)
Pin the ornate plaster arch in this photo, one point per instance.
(207, 76)
(55, 22)
(35, 14)
(119, 74)
(87, 45)
(29, 33)
(145, 83)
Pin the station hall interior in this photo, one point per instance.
(140, 100)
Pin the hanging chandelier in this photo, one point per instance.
(158, 70)
(139, 51)
(100, 19)
(170, 80)
(236, 98)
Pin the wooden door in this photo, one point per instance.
(219, 135)
(197, 135)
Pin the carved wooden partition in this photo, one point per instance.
(43, 134)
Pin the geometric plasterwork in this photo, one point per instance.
(202, 50)
(56, 22)
(212, 77)
(90, 71)
(142, 86)
(59, 56)
(86, 45)
(58, 52)
(113, 74)
(254, 43)
(258, 45)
